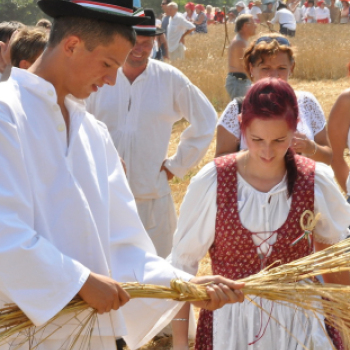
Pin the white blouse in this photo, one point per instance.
(236, 325)
(312, 119)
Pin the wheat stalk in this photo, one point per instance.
(289, 284)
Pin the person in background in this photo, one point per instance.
(250, 5)
(269, 6)
(293, 6)
(178, 28)
(190, 14)
(7, 29)
(334, 12)
(139, 111)
(344, 14)
(286, 20)
(255, 11)
(241, 8)
(231, 15)
(45, 23)
(237, 81)
(310, 12)
(322, 13)
(166, 16)
(272, 56)
(209, 13)
(27, 46)
(201, 19)
(219, 15)
(303, 10)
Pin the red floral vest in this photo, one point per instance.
(233, 253)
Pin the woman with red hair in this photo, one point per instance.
(245, 209)
(201, 19)
(190, 14)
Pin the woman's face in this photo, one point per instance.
(189, 11)
(268, 141)
(198, 11)
(278, 66)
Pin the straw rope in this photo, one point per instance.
(290, 284)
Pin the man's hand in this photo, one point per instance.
(169, 174)
(222, 291)
(103, 293)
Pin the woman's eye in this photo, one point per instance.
(107, 65)
(256, 140)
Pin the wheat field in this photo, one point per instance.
(321, 68)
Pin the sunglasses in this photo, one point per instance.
(268, 39)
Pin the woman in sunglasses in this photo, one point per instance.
(272, 56)
(245, 209)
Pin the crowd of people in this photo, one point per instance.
(86, 117)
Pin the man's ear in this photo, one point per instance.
(24, 64)
(70, 44)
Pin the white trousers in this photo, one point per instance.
(159, 219)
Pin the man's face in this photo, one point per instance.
(165, 7)
(269, 6)
(139, 55)
(250, 27)
(239, 8)
(90, 70)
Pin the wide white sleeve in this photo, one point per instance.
(192, 105)
(229, 119)
(186, 25)
(313, 112)
(34, 274)
(330, 203)
(196, 226)
(134, 259)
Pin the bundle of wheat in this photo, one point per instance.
(291, 284)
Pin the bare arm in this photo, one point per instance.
(225, 142)
(164, 42)
(338, 129)
(200, 19)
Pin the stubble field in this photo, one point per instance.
(321, 68)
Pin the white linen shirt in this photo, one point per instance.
(177, 27)
(140, 117)
(57, 222)
(286, 18)
(255, 10)
(310, 11)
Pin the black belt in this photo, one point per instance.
(239, 76)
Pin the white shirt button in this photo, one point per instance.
(61, 127)
(56, 108)
(50, 93)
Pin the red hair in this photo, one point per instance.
(272, 98)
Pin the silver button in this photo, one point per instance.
(50, 93)
(61, 127)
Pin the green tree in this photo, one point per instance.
(25, 11)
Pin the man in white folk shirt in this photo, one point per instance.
(69, 223)
(178, 28)
(139, 111)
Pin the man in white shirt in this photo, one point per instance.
(68, 219)
(139, 111)
(286, 20)
(178, 28)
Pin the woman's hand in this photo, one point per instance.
(301, 144)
